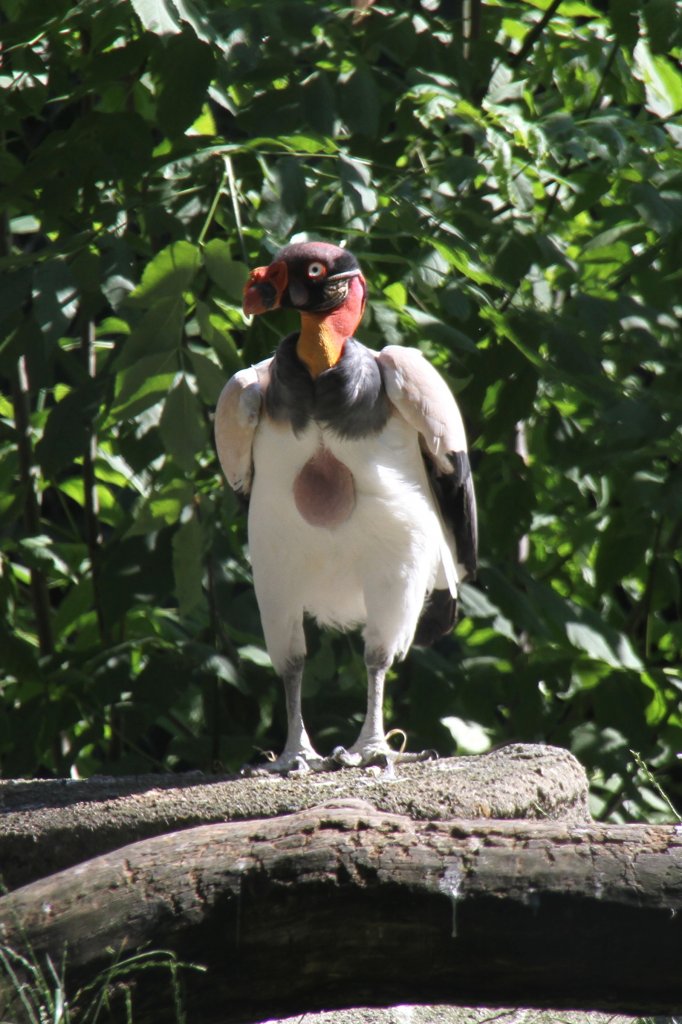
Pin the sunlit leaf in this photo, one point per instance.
(662, 81)
(227, 273)
(470, 737)
(157, 16)
(168, 274)
(143, 384)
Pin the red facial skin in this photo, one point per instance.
(323, 334)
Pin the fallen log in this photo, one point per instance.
(344, 905)
(50, 824)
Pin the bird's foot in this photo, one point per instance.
(289, 762)
(376, 752)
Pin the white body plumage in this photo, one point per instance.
(374, 569)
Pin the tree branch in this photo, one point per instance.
(343, 905)
(91, 506)
(41, 597)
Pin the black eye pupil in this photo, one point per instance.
(315, 270)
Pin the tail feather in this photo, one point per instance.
(437, 618)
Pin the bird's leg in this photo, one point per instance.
(299, 753)
(372, 736)
(371, 746)
(298, 742)
(372, 741)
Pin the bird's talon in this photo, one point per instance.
(345, 758)
(296, 764)
(370, 757)
(378, 757)
(420, 755)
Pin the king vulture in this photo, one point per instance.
(361, 507)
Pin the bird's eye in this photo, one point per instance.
(316, 270)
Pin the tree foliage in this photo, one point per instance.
(510, 176)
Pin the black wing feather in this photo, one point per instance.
(458, 507)
(456, 499)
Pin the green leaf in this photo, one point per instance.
(466, 264)
(470, 737)
(55, 297)
(660, 210)
(159, 332)
(211, 665)
(662, 81)
(72, 609)
(302, 143)
(319, 102)
(256, 655)
(359, 100)
(66, 430)
(142, 385)
(210, 378)
(663, 21)
(435, 329)
(228, 274)
(19, 659)
(182, 95)
(157, 16)
(292, 184)
(187, 565)
(182, 426)
(39, 553)
(356, 179)
(621, 549)
(624, 18)
(170, 273)
(216, 331)
(163, 507)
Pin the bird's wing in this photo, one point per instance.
(422, 397)
(236, 417)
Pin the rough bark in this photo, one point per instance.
(46, 826)
(441, 1014)
(345, 905)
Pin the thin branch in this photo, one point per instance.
(27, 473)
(93, 533)
(232, 186)
(214, 205)
(534, 34)
(642, 610)
(471, 25)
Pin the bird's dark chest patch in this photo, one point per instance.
(324, 490)
(349, 398)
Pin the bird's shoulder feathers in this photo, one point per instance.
(424, 400)
(237, 415)
(422, 397)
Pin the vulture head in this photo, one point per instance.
(312, 277)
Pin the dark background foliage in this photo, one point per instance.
(510, 176)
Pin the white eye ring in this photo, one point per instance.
(316, 269)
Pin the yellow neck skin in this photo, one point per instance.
(318, 346)
(323, 335)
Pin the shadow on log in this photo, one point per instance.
(346, 905)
